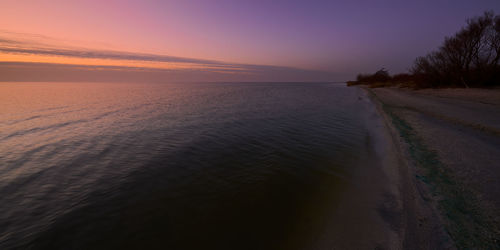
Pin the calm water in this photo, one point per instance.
(178, 166)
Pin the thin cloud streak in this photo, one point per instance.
(23, 47)
(28, 60)
(152, 63)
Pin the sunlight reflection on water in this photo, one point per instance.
(126, 165)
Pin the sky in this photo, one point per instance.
(222, 40)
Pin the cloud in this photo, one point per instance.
(103, 55)
(135, 63)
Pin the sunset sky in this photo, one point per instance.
(222, 40)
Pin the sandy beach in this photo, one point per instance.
(449, 142)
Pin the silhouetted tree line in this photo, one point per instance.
(382, 78)
(470, 58)
(379, 76)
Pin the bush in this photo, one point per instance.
(379, 76)
(382, 78)
(401, 78)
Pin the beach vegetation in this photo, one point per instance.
(382, 78)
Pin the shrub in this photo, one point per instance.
(379, 76)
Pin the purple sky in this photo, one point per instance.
(339, 36)
(342, 38)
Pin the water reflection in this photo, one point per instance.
(182, 166)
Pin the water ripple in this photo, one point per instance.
(115, 166)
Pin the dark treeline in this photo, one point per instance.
(470, 58)
(382, 78)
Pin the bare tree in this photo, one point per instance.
(470, 57)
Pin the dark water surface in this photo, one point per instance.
(176, 166)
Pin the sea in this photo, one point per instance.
(183, 165)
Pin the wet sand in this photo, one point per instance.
(370, 212)
(382, 207)
(451, 141)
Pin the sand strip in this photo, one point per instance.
(451, 142)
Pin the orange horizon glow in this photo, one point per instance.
(30, 58)
(39, 49)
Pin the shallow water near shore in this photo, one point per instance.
(180, 166)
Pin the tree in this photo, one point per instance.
(469, 58)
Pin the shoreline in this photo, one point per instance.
(421, 226)
(445, 206)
